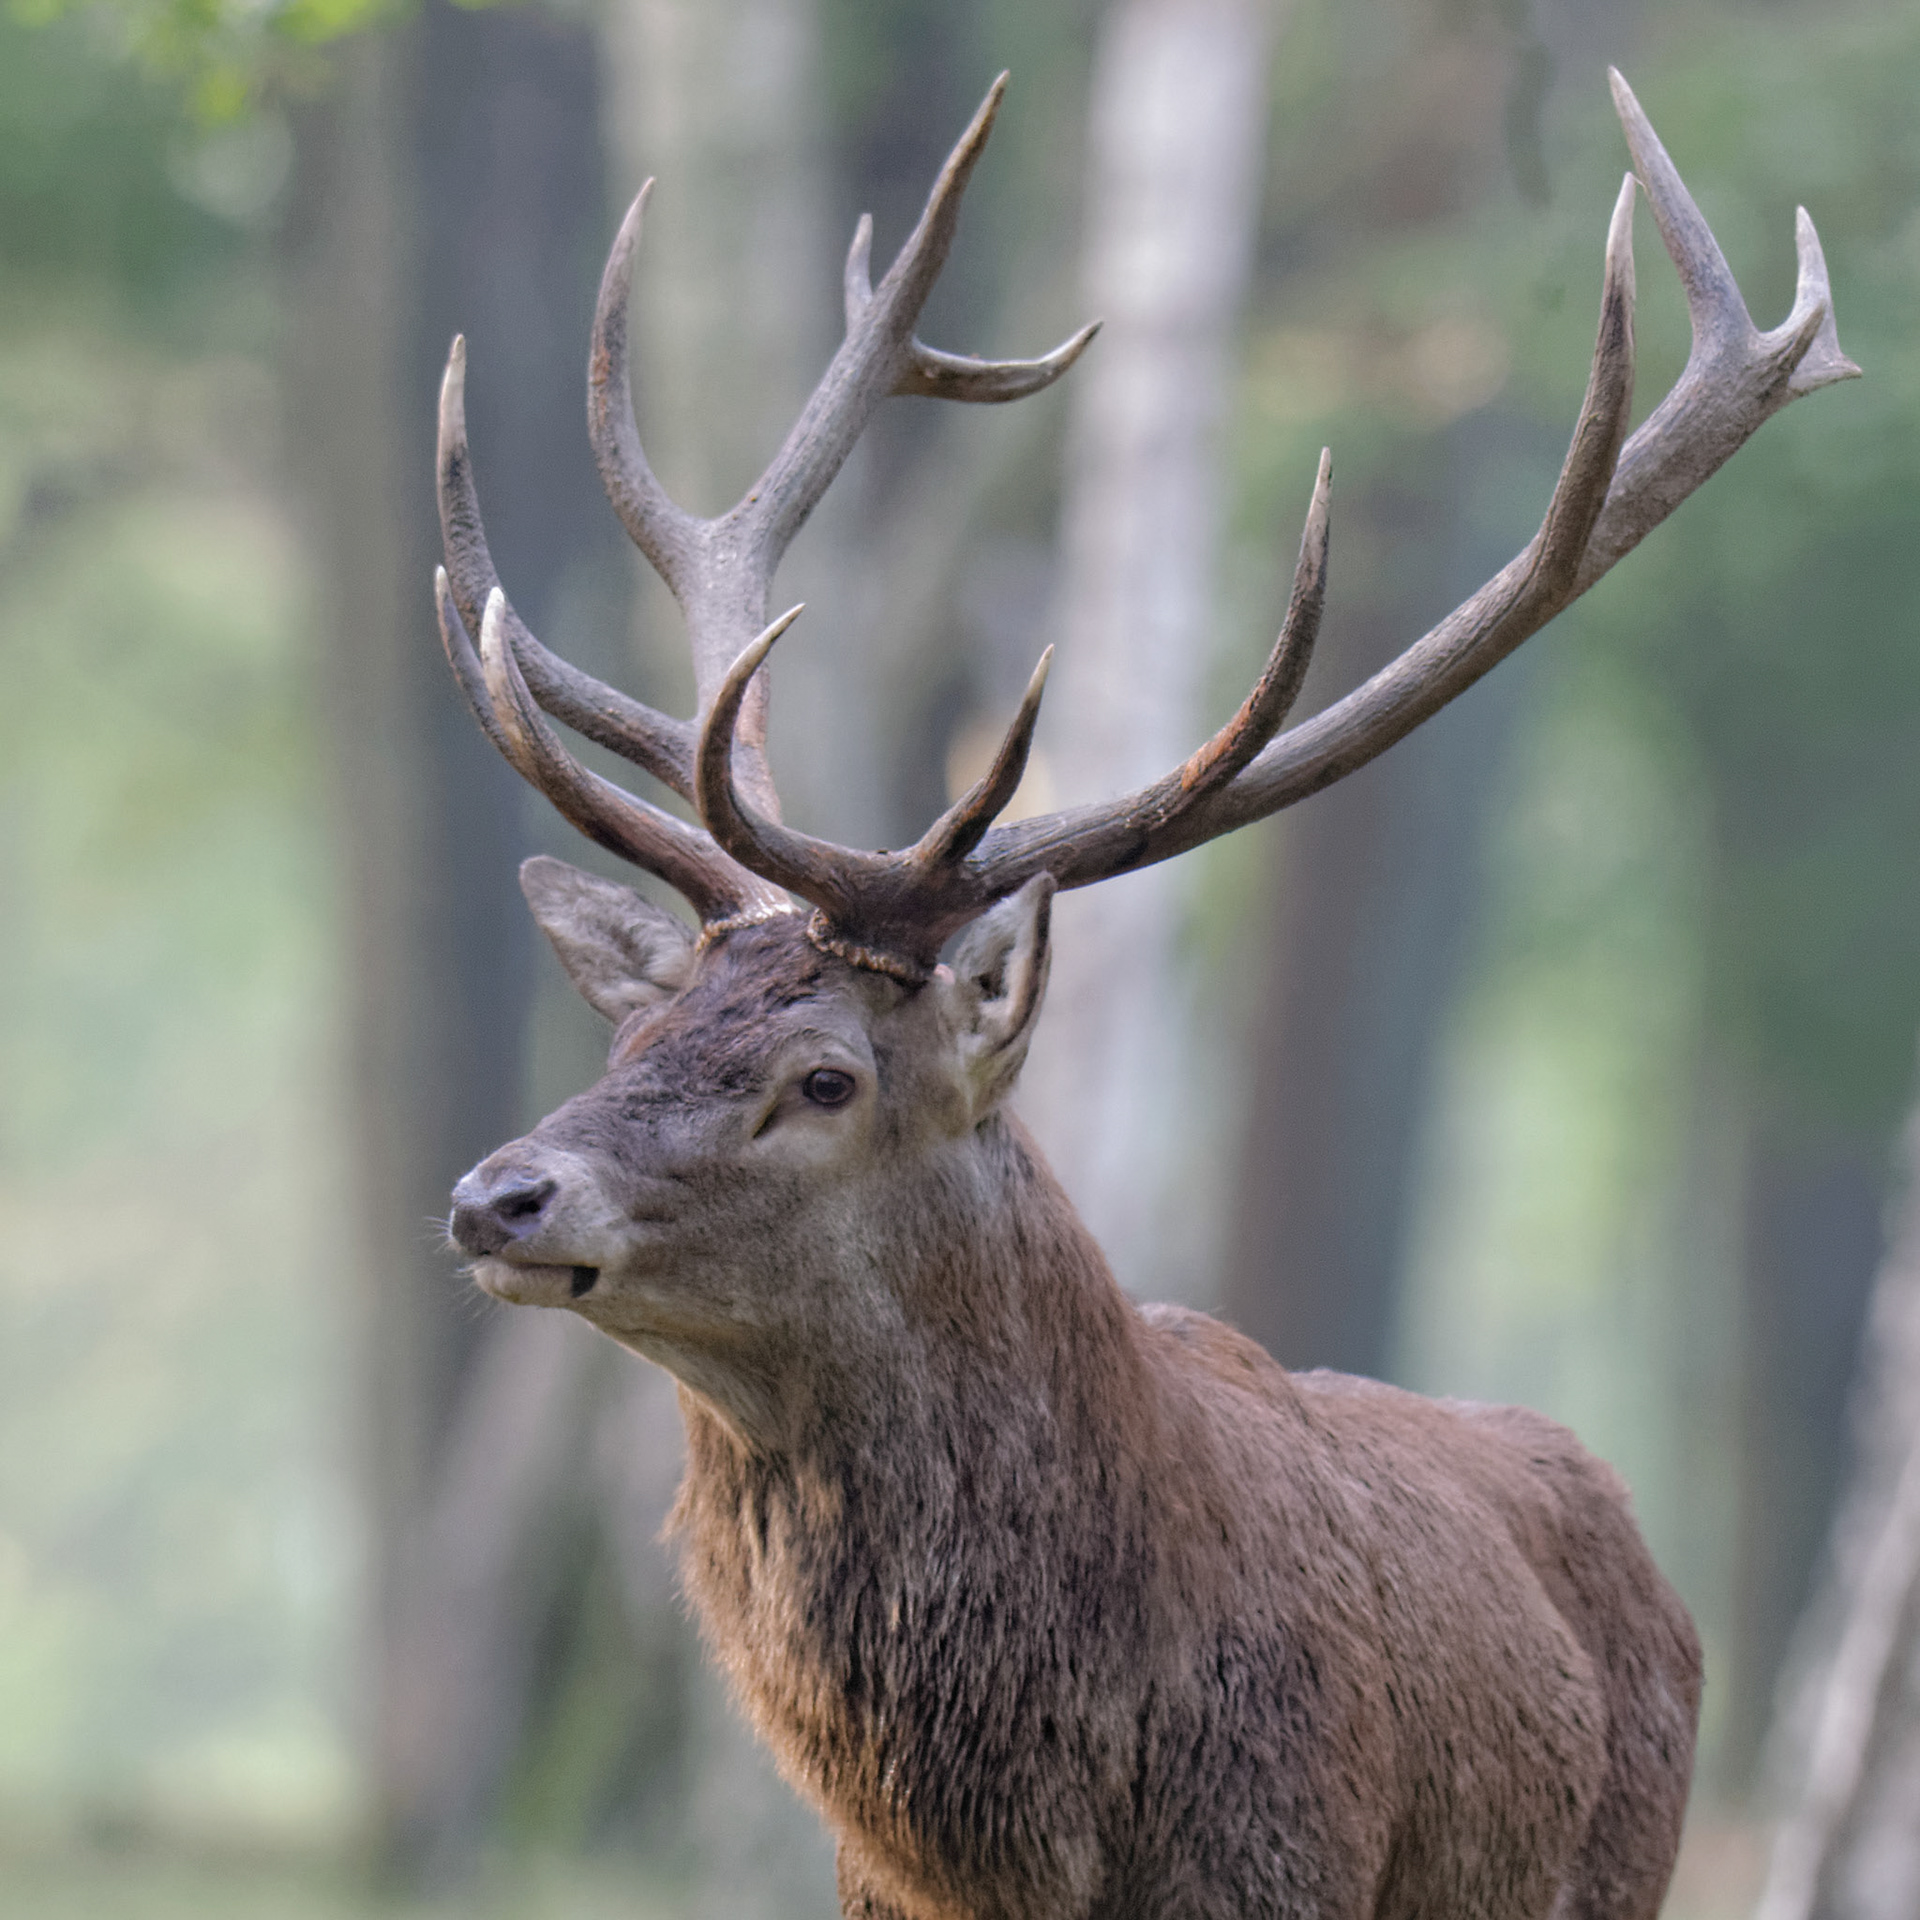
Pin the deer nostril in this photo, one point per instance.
(523, 1202)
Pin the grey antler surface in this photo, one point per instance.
(720, 570)
(608, 717)
(1608, 498)
(895, 910)
(631, 828)
(1736, 377)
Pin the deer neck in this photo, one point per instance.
(999, 1343)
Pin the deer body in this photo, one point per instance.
(1059, 1608)
(1054, 1606)
(1210, 1640)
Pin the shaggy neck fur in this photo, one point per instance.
(924, 1559)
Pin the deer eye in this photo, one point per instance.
(829, 1087)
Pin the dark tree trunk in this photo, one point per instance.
(450, 178)
(1377, 880)
(1377, 888)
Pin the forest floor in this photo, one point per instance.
(1718, 1879)
(138, 1884)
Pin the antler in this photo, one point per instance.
(721, 570)
(906, 905)
(893, 911)
(1606, 500)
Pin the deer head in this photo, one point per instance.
(781, 1079)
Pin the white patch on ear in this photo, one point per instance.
(621, 952)
(998, 981)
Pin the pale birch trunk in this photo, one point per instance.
(1177, 121)
(1849, 1848)
(736, 304)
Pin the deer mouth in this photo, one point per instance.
(526, 1283)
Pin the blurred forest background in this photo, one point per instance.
(1560, 1057)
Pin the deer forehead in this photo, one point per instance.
(763, 1000)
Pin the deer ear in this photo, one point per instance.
(999, 976)
(620, 951)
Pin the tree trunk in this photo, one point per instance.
(449, 179)
(1849, 1849)
(1367, 930)
(1177, 120)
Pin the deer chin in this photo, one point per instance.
(527, 1284)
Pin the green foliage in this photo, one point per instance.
(1777, 615)
(171, 1563)
(1772, 619)
(226, 54)
(167, 1568)
(87, 200)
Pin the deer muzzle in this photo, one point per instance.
(535, 1223)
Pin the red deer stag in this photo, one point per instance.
(1054, 1605)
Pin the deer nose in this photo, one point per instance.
(492, 1210)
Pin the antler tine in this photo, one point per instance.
(653, 741)
(1736, 378)
(862, 372)
(681, 855)
(1267, 706)
(1126, 831)
(1607, 499)
(664, 532)
(879, 356)
(956, 376)
(960, 829)
(1091, 843)
(1715, 306)
(828, 875)
(1822, 363)
(934, 375)
(457, 643)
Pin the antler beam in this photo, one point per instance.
(721, 570)
(894, 911)
(1607, 499)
